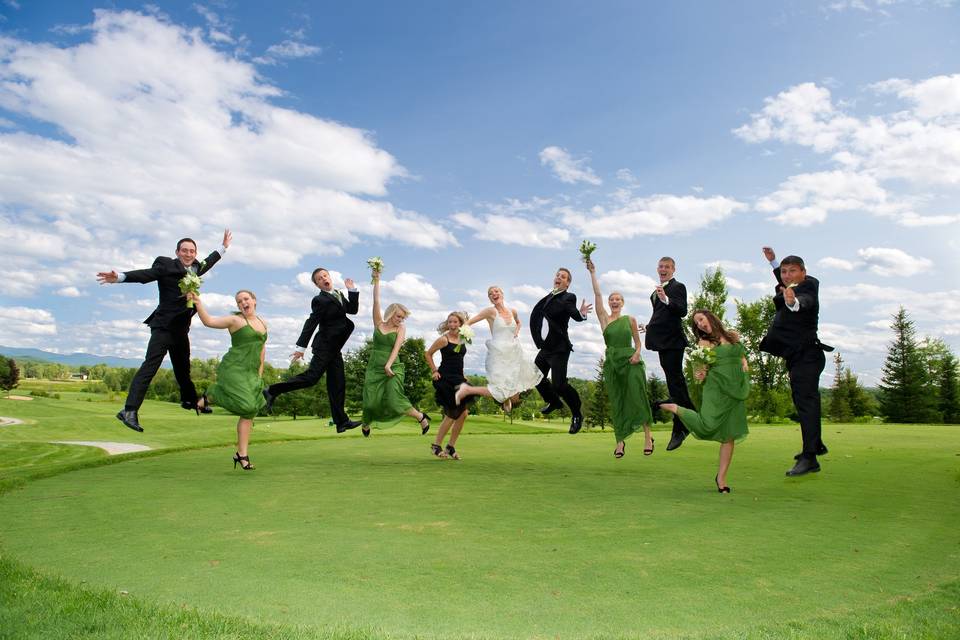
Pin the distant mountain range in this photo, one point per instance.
(71, 359)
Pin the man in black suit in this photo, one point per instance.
(558, 307)
(665, 336)
(328, 317)
(793, 336)
(169, 323)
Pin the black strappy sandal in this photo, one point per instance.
(239, 459)
(452, 453)
(424, 429)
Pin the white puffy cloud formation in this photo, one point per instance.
(566, 168)
(919, 145)
(26, 326)
(660, 214)
(147, 126)
(519, 230)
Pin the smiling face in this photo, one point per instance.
(616, 301)
(453, 323)
(792, 273)
(187, 253)
(246, 303)
(397, 319)
(323, 279)
(561, 280)
(665, 269)
(495, 294)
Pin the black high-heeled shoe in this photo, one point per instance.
(424, 429)
(365, 430)
(239, 459)
(452, 453)
(720, 489)
(619, 452)
(206, 405)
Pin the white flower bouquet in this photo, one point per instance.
(376, 266)
(586, 248)
(190, 283)
(466, 337)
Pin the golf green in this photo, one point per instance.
(529, 536)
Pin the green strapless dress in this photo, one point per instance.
(723, 410)
(626, 383)
(239, 387)
(384, 403)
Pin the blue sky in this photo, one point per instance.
(472, 144)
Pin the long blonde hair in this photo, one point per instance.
(444, 326)
(392, 309)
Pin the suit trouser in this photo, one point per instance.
(805, 369)
(556, 386)
(322, 362)
(163, 341)
(671, 360)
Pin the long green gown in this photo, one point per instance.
(723, 410)
(626, 383)
(239, 387)
(384, 403)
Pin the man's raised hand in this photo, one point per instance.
(769, 254)
(227, 238)
(107, 277)
(350, 284)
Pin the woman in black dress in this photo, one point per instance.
(446, 379)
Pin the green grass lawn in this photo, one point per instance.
(534, 534)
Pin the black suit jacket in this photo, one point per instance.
(791, 331)
(172, 312)
(558, 310)
(328, 317)
(665, 329)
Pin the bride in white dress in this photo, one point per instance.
(508, 370)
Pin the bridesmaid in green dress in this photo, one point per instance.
(384, 403)
(723, 410)
(623, 370)
(239, 385)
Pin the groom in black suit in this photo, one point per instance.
(169, 323)
(665, 336)
(793, 336)
(558, 308)
(328, 317)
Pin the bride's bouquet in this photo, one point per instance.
(586, 248)
(466, 337)
(701, 357)
(376, 265)
(190, 283)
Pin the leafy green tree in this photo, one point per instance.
(9, 374)
(301, 402)
(712, 296)
(657, 390)
(905, 381)
(598, 405)
(417, 380)
(769, 394)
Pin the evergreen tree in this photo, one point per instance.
(948, 393)
(903, 387)
(657, 390)
(840, 410)
(711, 296)
(598, 411)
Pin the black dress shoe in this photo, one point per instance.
(676, 439)
(268, 408)
(804, 466)
(576, 422)
(129, 418)
(821, 451)
(349, 424)
(550, 408)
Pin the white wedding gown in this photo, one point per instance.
(508, 370)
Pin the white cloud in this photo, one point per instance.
(627, 283)
(566, 168)
(69, 292)
(836, 263)
(529, 291)
(660, 214)
(292, 49)
(513, 230)
(893, 262)
(920, 145)
(146, 104)
(730, 265)
(26, 326)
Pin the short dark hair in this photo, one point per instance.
(668, 259)
(313, 276)
(182, 240)
(567, 271)
(797, 260)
